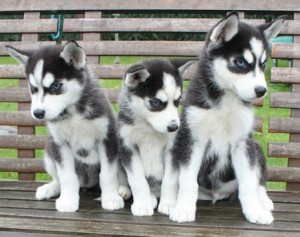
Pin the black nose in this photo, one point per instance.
(172, 127)
(39, 113)
(260, 91)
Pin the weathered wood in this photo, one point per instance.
(284, 174)
(143, 48)
(22, 142)
(291, 150)
(21, 118)
(284, 125)
(285, 100)
(286, 51)
(285, 75)
(29, 165)
(229, 5)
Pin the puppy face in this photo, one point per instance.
(54, 78)
(239, 54)
(155, 89)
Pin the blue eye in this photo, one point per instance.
(177, 102)
(55, 87)
(241, 63)
(155, 102)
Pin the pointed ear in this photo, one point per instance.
(183, 64)
(272, 29)
(19, 55)
(73, 54)
(225, 30)
(135, 75)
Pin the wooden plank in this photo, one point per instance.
(28, 26)
(126, 25)
(144, 24)
(284, 125)
(291, 150)
(285, 75)
(119, 229)
(284, 174)
(22, 118)
(229, 5)
(285, 100)
(29, 165)
(157, 220)
(133, 48)
(286, 51)
(23, 142)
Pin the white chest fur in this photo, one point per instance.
(150, 144)
(223, 125)
(80, 133)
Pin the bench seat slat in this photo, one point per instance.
(291, 150)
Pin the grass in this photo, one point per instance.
(263, 137)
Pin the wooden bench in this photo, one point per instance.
(91, 21)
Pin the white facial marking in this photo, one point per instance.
(48, 79)
(263, 57)
(248, 56)
(161, 94)
(257, 47)
(32, 81)
(38, 71)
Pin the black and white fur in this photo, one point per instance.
(214, 151)
(148, 120)
(80, 121)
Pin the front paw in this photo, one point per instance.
(258, 216)
(267, 203)
(47, 191)
(165, 206)
(112, 202)
(182, 214)
(142, 209)
(67, 203)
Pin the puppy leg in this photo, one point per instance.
(248, 184)
(109, 184)
(143, 200)
(169, 187)
(124, 190)
(264, 199)
(51, 189)
(69, 196)
(185, 209)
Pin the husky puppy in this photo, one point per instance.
(214, 152)
(80, 121)
(148, 120)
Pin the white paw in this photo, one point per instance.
(47, 191)
(165, 206)
(142, 209)
(258, 216)
(67, 203)
(182, 214)
(267, 204)
(112, 202)
(124, 192)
